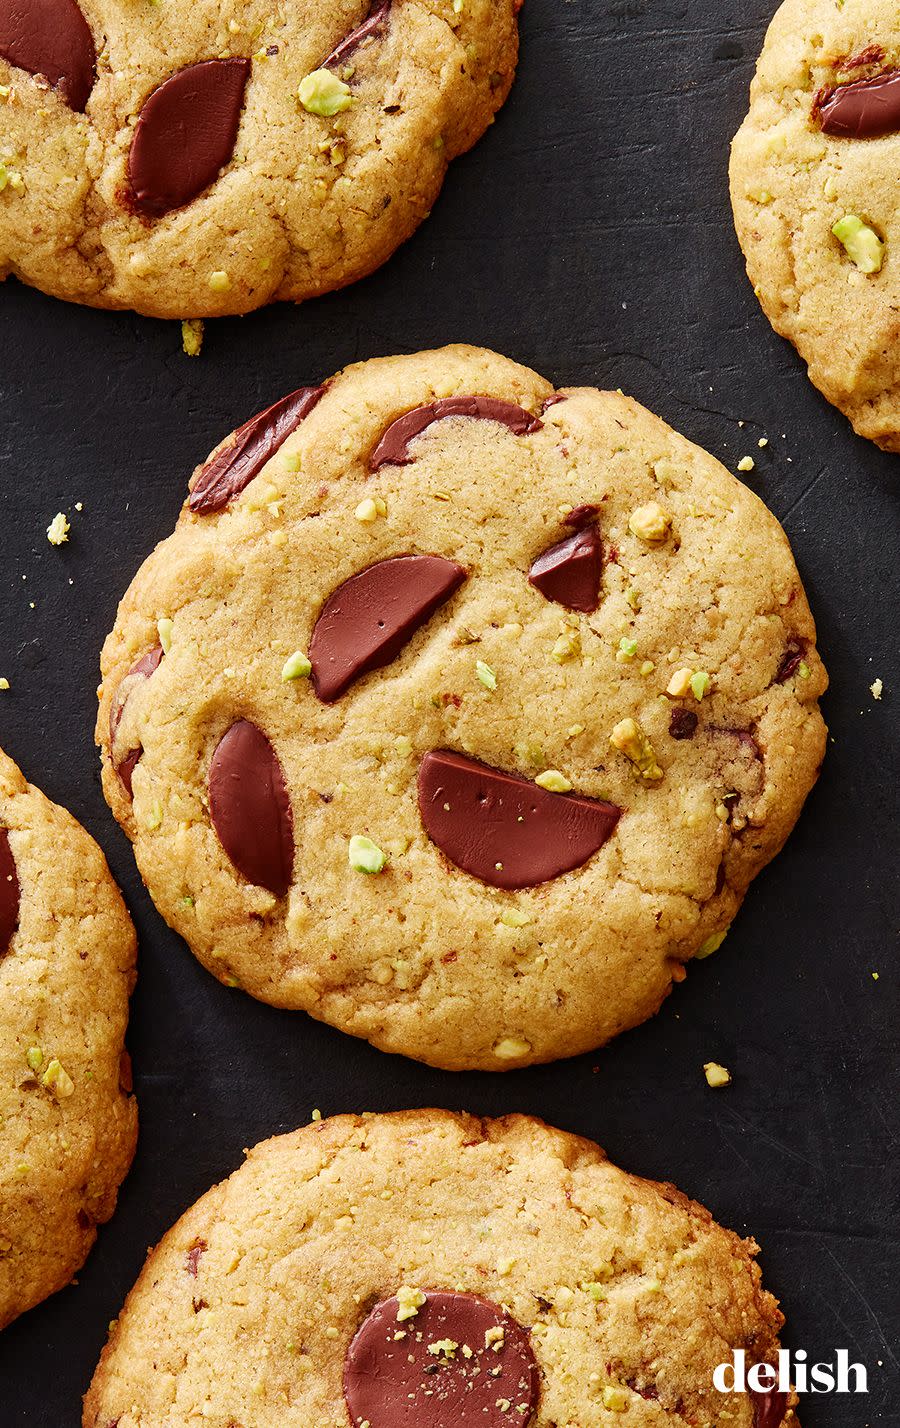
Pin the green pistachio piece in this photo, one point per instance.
(862, 243)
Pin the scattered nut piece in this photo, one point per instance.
(615, 1398)
(219, 281)
(553, 781)
(711, 945)
(716, 1075)
(410, 1301)
(650, 523)
(700, 682)
(877, 688)
(192, 336)
(630, 740)
(365, 856)
(57, 1080)
(165, 629)
(324, 93)
(861, 243)
(486, 675)
(680, 683)
(370, 509)
(746, 463)
(511, 1048)
(58, 530)
(296, 666)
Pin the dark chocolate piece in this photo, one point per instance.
(569, 572)
(552, 401)
(227, 473)
(50, 38)
(126, 764)
(185, 134)
(367, 621)
(506, 830)
(581, 516)
(683, 723)
(393, 448)
(372, 25)
(250, 808)
(9, 894)
(865, 109)
(791, 660)
(438, 1370)
(769, 1407)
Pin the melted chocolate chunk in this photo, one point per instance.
(50, 38)
(683, 724)
(367, 621)
(506, 830)
(185, 134)
(865, 109)
(552, 401)
(227, 473)
(9, 894)
(126, 763)
(441, 1372)
(581, 516)
(393, 448)
(791, 660)
(569, 573)
(250, 808)
(769, 1407)
(372, 25)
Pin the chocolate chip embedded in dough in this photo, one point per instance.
(393, 448)
(230, 470)
(250, 808)
(50, 38)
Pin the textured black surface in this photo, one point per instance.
(589, 236)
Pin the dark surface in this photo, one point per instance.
(589, 236)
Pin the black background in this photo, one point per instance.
(589, 236)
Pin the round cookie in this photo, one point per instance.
(68, 1121)
(193, 159)
(425, 1267)
(813, 185)
(387, 717)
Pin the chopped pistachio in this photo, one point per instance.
(647, 667)
(615, 1398)
(700, 682)
(861, 243)
(486, 675)
(409, 1302)
(650, 523)
(568, 646)
(35, 1057)
(165, 628)
(219, 281)
(876, 689)
(711, 945)
(553, 781)
(192, 336)
(11, 178)
(296, 666)
(58, 530)
(511, 1048)
(803, 669)
(746, 463)
(4, 684)
(512, 917)
(370, 509)
(630, 740)
(365, 856)
(627, 649)
(716, 1075)
(316, 1115)
(57, 1080)
(324, 93)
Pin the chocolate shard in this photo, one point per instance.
(503, 829)
(367, 621)
(185, 134)
(683, 723)
(227, 473)
(569, 572)
(865, 109)
(250, 808)
(9, 894)
(126, 761)
(411, 1381)
(373, 24)
(50, 38)
(769, 1407)
(393, 448)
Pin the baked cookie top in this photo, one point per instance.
(68, 1122)
(193, 159)
(814, 189)
(460, 712)
(425, 1267)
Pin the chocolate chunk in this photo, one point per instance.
(393, 448)
(193, 1256)
(769, 1407)
(552, 401)
(503, 829)
(866, 109)
(185, 134)
(367, 621)
(683, 724)
(441, 1372)
(250, 808)
(372, 25)
(126, 763)
(569, 573)
(791, 660)
(581, 516)
(50, 38)
(227, 473)
(9, 894)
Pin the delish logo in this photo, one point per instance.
(762, 1380)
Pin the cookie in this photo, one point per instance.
(192, 159)
(68, 1121)
(460, 712)
(430, 1268)
(813, 185)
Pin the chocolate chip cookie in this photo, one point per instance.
(427, 1268)
(194, 159)
(68, 1121)
(459, 711)
(813, 184)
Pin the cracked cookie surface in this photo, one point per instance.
(810, 158)
(287, 1286)
(450, 812)
(68, 1122)
(162, 159)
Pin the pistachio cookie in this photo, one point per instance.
(195, 159)
(458, 711)
(814, 189)
(420, 1268)
(68, 1121)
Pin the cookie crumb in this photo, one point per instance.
(4, 684)
(58, 529)
(877, 688)
(192, 336)
(716, 1075)
(746, 463)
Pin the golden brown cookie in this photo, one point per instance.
(191, 159)
(813, 184)
(427, 1268)
(460, 712)
(68, 1121)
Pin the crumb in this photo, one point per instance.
(716, 1075)
(58, 530)
(746, 463)
(877, 688)
(192, 336)
(4, 684)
